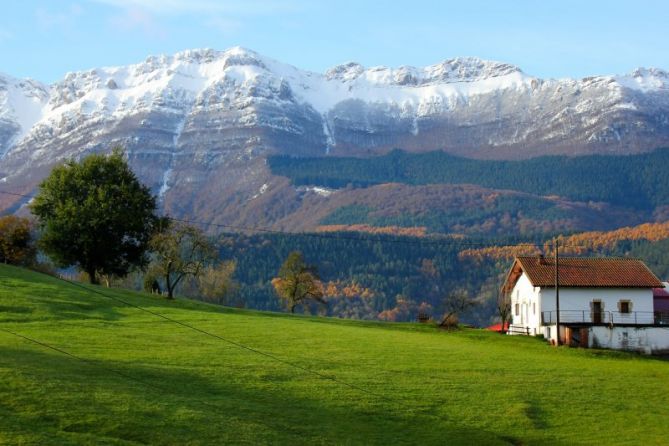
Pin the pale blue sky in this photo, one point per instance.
(45, 39)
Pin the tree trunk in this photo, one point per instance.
(292, 309)
(169, 286)
(92, 277)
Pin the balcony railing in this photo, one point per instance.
(605, 317)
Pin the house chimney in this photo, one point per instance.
(541, 259)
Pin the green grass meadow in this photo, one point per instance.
(139, 379)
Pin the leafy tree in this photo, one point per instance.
(179, 251)
(298, 282)
(95, 214)
(16, 241)
(216, 283)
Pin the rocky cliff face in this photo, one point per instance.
(197, 125)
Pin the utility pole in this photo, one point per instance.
(557, 292)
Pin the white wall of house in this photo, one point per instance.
(649, 340)
(526, 305)
(576, 304)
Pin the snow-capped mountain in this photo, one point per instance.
(21, 105)
(197, 125)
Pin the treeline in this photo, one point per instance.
(584, 243)
(365, 276)
(392, 277)
(638, 181)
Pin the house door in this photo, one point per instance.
(596, 312)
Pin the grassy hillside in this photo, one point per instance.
(465, 387)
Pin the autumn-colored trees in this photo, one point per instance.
(298, 282)
(575, 245)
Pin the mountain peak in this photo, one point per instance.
(468, 69)
(459, 69)
(345, 72)
(645, 79)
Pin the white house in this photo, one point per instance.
(604, 302)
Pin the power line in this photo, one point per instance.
(416, 240)
(92, 363)
(87, 361)
(442, 241)
(15, 194)
(127, 376)
(243, 346)
(239, 344)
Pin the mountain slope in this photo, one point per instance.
(21, 105)
(147, 381)
(198, 125)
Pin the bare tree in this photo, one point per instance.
(504, 308)
(456, 302)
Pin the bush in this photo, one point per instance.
(16, 241)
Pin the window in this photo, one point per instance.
(534, 308)
(624, 306)
(517, 312)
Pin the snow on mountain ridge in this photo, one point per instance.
(181, 80)
(460, 69)
(240, 78)
(21, 105)
(645, 79)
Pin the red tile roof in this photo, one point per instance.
(583, 272)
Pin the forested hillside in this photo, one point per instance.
(634, 181)
(377, 276)
(363, 276)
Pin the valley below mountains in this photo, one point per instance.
(203, 130)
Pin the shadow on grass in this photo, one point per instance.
(41, 296)
(536, 414)
(49, 393)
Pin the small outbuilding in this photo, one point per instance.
(603, 302)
